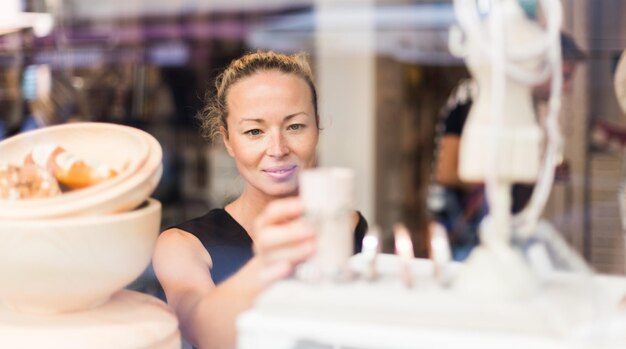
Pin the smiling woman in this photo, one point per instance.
(271, 132)
(265, 111)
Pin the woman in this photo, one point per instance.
(265, 110)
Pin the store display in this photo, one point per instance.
(65, 259)
(385, 314)
(523, 286)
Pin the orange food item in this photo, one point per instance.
(67, 168)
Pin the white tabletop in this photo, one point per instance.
(386, 314)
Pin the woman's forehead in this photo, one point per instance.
(265, 88)
(267, 76)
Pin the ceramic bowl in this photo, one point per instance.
(72, 264)
(134, 153)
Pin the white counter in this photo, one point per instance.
(386, 314)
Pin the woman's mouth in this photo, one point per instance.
(281, 173)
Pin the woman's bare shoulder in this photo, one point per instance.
(180, 244)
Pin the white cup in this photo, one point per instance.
(328, 199)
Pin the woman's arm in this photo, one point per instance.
(207, 313)
(447, 171)
(182, 265)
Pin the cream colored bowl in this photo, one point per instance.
(71, 264)
(134, 153)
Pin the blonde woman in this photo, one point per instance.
(213, 267)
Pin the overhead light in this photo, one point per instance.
(12, 19)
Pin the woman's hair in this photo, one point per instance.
(215, 112)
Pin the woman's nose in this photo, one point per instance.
(278, 145)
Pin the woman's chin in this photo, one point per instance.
(284, 190)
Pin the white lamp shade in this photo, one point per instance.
(12, 18)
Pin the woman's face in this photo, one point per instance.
(272, 131)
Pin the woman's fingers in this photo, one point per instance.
(293, 253)
(279, 211)
(293, 242)
(277, 236)
(275, 272)
(282, 239)
(280, 263)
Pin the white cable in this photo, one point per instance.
(526, 220)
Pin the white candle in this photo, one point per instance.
(328, 199)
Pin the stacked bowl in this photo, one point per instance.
(73, 251)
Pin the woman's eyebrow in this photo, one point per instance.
(262, 121)
(291, 116)
(257, 120)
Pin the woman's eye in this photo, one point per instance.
(295, 127)
(253, 132)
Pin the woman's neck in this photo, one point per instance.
(247, 207)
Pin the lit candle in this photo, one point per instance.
(404, 249)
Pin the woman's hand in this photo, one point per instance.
(282, 239)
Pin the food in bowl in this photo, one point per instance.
(133, 153)
(50, 170)
(26, 182)
(70, 170)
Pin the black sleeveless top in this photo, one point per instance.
(229, 244)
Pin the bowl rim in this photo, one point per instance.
(146, 208)
(136, 163)
(64, 206)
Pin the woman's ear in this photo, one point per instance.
(224, 135)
